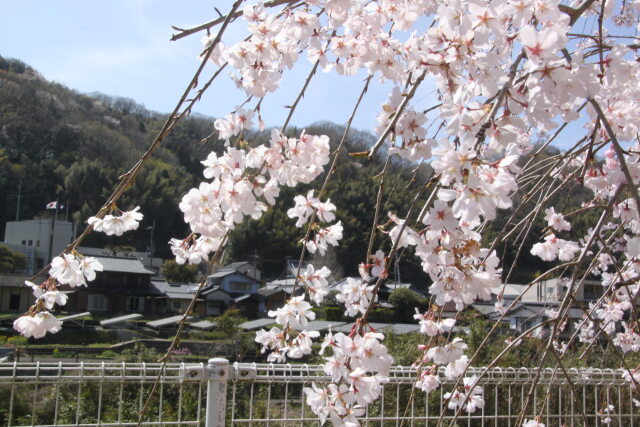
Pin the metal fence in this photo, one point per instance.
(216, 394)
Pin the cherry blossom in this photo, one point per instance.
(37, 325)
(472, 93)
(316, 282)
(556, 220)
(117, 224)
(554, 247)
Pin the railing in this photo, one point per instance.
(106, 394)
(216, 394)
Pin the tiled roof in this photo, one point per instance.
(256, 324)
(221, 273)
(17, 280)
(176, 288)
(398, 328)
(266, 292)
(123, 265)
(322, 325)
(177, 295)
(233, 266)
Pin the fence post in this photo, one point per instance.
(217, 373)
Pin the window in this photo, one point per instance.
(38, 243)
(239, 287)
(135, 304)
(24, 243)
(30, 242)
(14, 302)
(97, 303)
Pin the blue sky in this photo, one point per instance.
(122, 48)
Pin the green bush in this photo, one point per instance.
(108, 354)
(382, 315)
(76, 337)
(139, 353)
(405, 302)
(229, 323)
(16, 341)
(333, 313)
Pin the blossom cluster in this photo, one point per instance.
(243, 182)
(358, 367)
(68, 269)
(117, 225)
(503, 80)
(507, 73)
(308, 206)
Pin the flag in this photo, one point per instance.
(52, 205)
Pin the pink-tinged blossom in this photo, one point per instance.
(305, 207)
(427, 381)
(295, 313)
(378, 263)
(356, 295)
(232, 124)
(611, 313)
(457, 367)
(116, 225)
(554, 247)
(440, 217)
(432, 328)
(316, 282)
(540, 45)
(50, 297)
(325, 237)
(89, 266)
(556, 220)
(448, 353)
(66, 270)
(628, 340)
(38, 325)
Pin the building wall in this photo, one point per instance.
(24, 294)
(36, 233)
(239, 284)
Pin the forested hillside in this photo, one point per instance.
(58, 144)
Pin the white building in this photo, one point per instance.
(34, 237)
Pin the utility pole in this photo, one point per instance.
(54, 218)
(151, 247)
(19, 197)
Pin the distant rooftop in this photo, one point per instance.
(120, 319)
(256, 324)
(166, 321)
(123, 265)
(175, 288)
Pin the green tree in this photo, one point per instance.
(174, 272)
(405, 302)
(229, 322)
(120, 250)
(11, 261)
(139, 353)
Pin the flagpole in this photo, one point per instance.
(53, 228)
(66, 215)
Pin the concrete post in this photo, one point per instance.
(217, 374)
